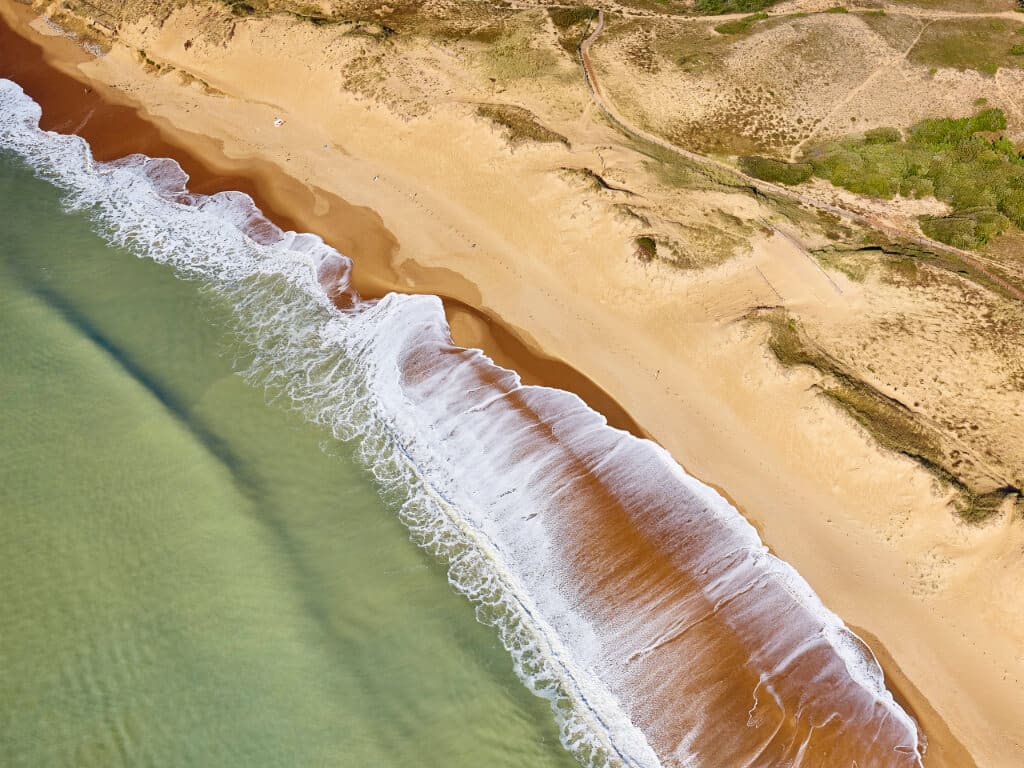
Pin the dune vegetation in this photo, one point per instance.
(718, 7)
(982, 45)
(965, 162)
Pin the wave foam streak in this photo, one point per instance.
(632, 596)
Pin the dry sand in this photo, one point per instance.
(461, 215)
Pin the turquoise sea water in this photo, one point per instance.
(194, 577)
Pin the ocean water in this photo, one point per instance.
(631, 597)
(190, 575)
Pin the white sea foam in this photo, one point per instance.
(464, 471)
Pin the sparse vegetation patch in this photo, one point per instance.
(520, 124)
(719, 7)
(889, 422)
(247, 7)
(983, 45)
(570, 23)
(515, 55)
(740, 26)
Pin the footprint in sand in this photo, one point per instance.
(932, 572)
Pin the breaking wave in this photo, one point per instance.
(630, 595)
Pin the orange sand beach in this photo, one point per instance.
(864, 528)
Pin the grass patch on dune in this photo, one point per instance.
(966, 6)
(520, 125)
(570, 23)
(907, 263)
(893, 426)
(719, 7)
(982, 45)
(566, 18)
(516, 56)
(740, 26)
(854, 268)
(690, 48)
(770, 169)
(675, 170)
(298, 11)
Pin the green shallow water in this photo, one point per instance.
(191, 577)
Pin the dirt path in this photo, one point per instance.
(1011, 100)
(767, 187)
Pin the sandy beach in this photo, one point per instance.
(549, 286)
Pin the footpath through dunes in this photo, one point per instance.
(633, 597)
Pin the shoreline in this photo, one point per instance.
(474, 327)
(104, 119)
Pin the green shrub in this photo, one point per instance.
(917, 186)
(1017, 50)
(879, 185)
(947, 131)
(837, 9)
(953, 159)
(1012, 207)
(882, 135)
(1004, 146)
(966, 229)
(769, 169)
(646, 247)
